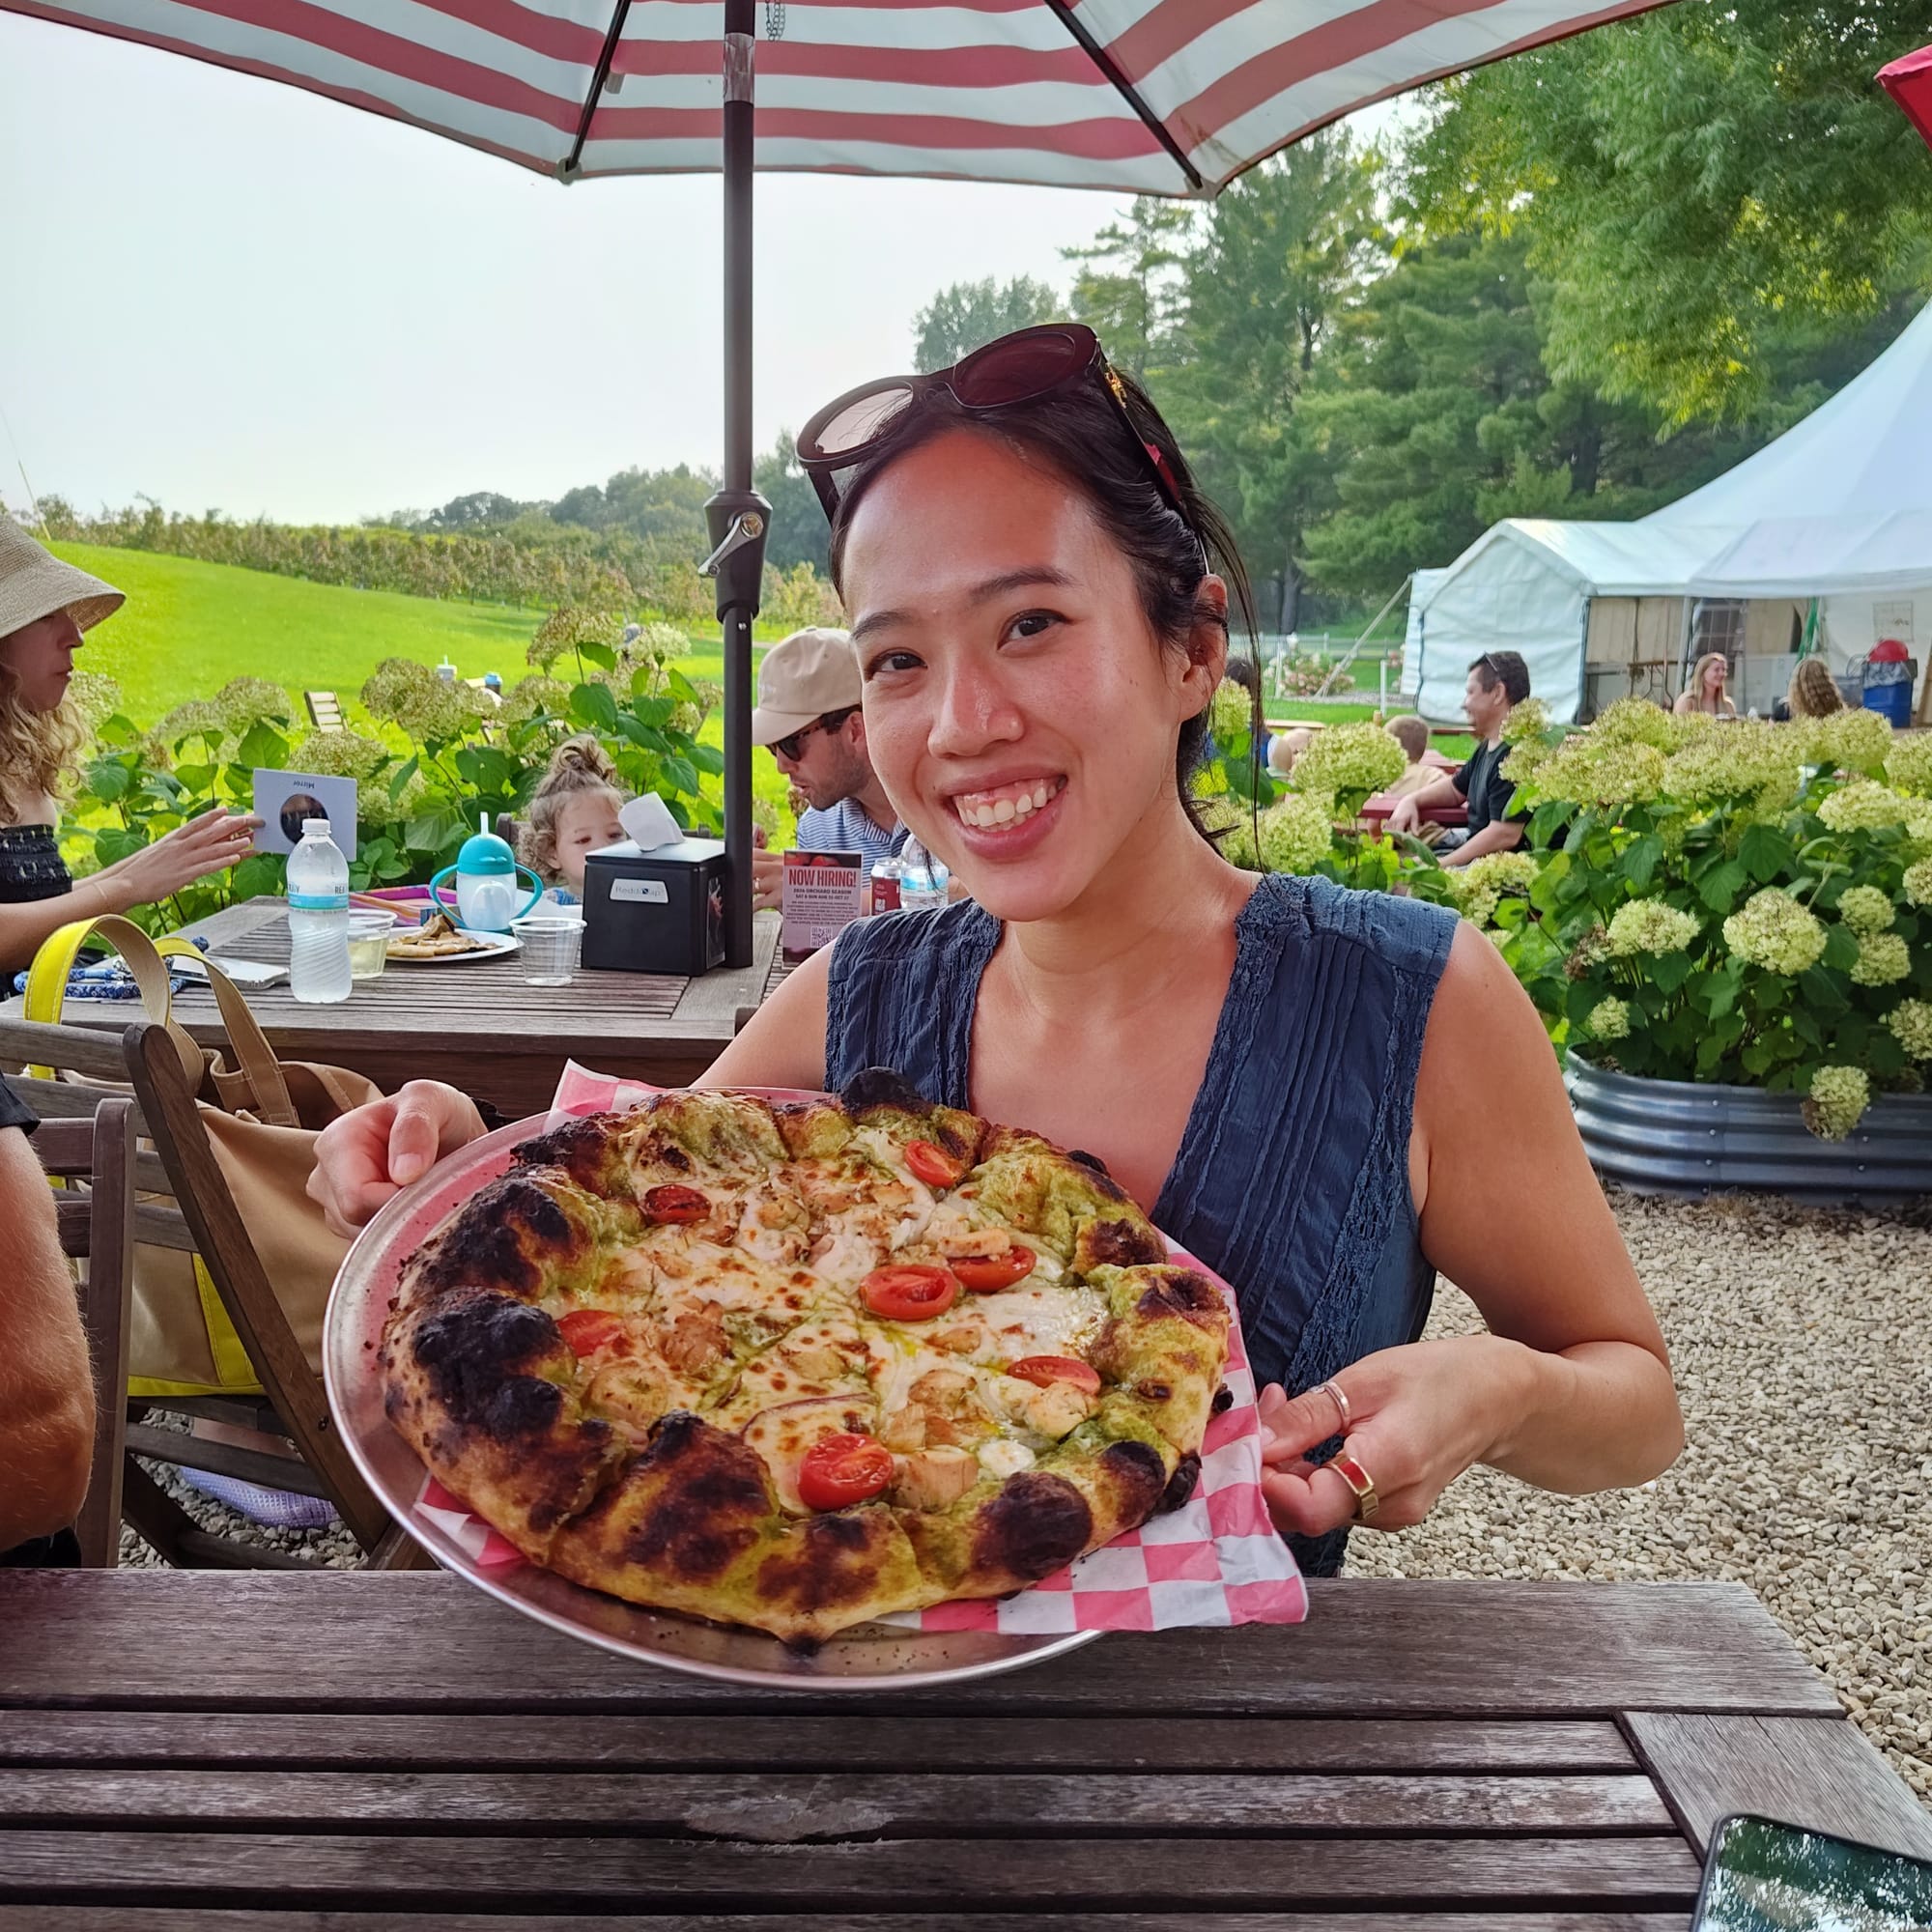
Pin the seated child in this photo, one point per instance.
(1411, 733)
(572, 813)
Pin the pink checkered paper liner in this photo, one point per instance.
(1217, 1560)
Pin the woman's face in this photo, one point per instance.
(41, 657)
(1019, 712)
(586, 824)
(1713, 676)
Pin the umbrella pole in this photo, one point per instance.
(737, 516)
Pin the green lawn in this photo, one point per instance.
(187, 628)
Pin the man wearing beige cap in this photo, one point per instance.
(807, 715)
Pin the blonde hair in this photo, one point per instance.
(577, 766)
(1814, 692)
(1697, 686)
(40, 751)
(1411, 733)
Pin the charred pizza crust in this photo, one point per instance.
(652, 1445)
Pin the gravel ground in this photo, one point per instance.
(1802, 1342)
(1802, 1346)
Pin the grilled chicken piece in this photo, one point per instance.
(935, 1477)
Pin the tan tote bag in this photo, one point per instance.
(262, 1117)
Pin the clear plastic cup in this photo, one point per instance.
(369, 933)
(550, 939)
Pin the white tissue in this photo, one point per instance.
(649, 822)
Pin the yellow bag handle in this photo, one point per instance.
(145, 958)
(47, 977)
(46, 995)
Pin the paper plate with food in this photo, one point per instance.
(439, 941)
(853, 1389)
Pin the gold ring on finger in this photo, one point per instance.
(1358, 1479)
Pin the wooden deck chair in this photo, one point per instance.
(174, 1158)
(96, 1226)
(324, 712)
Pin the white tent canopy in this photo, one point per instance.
(1839, 508)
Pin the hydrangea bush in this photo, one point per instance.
(444, 755)
(1739, 903)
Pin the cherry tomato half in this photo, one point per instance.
(984, 1274)
(841, 1470)
(673, 1204)
(909, 1291)
(588, 1329)
(933, 1165)
(1046, 1369)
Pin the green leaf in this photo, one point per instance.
(260, 873)
(196, 778)
(644, 737)
(1764, 852)
(592, 705)
(653, 710)
(1721, 988)
(600, 655)
(399, 779)
(1722, 884)
(1642, 858)
(681, 687)
(108, 779)
(709, 758)
(263, 745)
(114, 842)
(120, 730)
(682, 774)
(1821, 991)
(1841, 948)
(1670, 970)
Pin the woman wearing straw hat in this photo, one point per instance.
(45, 604)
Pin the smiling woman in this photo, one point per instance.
(46, 609)
(1325, 1095)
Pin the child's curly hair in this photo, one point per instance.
(577, 765)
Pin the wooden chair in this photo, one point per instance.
(96, 1225)
(202, 1218)
(324, 711)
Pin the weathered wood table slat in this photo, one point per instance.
(478, 1024)
(357, 1750)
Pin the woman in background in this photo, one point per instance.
(1814, 692)
(1706, 692)
(572, 813)
(45, 606)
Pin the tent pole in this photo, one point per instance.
(737, 516)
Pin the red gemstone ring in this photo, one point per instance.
(1358, 1479)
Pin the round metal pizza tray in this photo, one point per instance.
(874, 1657)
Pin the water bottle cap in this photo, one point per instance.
(315, 828)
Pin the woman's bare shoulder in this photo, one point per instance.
(783, 1044)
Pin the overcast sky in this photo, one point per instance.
(227, 294)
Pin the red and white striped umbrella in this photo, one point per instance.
(1159, 96)
(1154, 96)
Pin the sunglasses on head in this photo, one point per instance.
(792, 744)
(1017, 368)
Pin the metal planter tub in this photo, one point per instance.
(1679, 1136)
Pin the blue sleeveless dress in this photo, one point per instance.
(1292, 1179)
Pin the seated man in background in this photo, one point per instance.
(46, 1386)
(1497, 682)
(808, 714)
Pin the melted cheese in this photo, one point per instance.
(1003, 1457)
(1027, 1320)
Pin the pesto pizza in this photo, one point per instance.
(796, 1365)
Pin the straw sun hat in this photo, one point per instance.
(35, 584)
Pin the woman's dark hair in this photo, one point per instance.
(1078, 431)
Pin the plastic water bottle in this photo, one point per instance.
(318, 918)
(923, 879)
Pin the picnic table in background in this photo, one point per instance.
(1377, 810)
(475, 1023)
(1541, 1757)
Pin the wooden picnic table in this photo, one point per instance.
(477, 1024)
(360, 1751)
